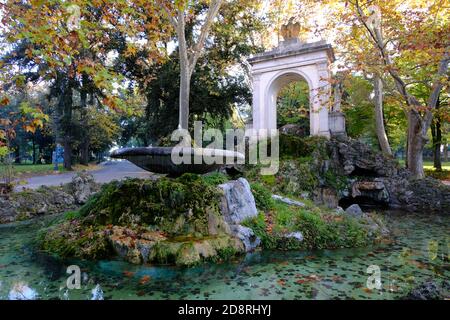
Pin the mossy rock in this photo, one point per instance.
(71, 239)
(187, 251)
(321, 229)
(176, 206)
(161, 221)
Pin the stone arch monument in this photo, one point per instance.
(294, 60)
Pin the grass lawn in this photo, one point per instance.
(428, 165)
(32, 170)
(430, 171)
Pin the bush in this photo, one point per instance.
(318, 232)
(216, 178)
(292, 146)
(263, 197)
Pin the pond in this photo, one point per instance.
(420, 251)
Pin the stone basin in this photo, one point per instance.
(159, 159)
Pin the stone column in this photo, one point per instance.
(321, 100)
(257, 104)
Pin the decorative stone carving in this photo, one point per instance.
(290, 30)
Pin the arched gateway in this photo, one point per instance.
(291, 61)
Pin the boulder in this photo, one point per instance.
(293, 129)
(82, 187)
(238, 203)
(295, 235)
(327, 197)
(358, 159)
(355, 211)
(247, 236)
(21, 291)
(97, 293)
(288, 201)
(131, 246)
(429, 290)
(375, 190)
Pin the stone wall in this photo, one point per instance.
(30, 203)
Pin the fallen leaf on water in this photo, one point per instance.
(281, 282)
(313, 277)
(367, 290)
(145, 279)
(128, 274)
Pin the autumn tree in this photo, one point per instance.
(400, 37)
(214, 90)
(68, 45)
(178, 13)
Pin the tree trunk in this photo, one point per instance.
(33, 141)
(67, 153)
(437, 145)
(84, 148)
(379, 118)
(17, 155)
(185, 86)
(437, 140)
(185, 73)
(84, 153)
(416, 144)
(67, 125)
(446, 152)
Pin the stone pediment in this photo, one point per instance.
(293, 47)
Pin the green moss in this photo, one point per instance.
(263, 197)
(292, 146)
(214, 179)
(190, 251)
(336, 181)
(269, 180)
(320, 230)
(71, 215)
(69, 239)
(149, 202)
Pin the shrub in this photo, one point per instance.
(214, 179)
(318, 232)
(263, 197)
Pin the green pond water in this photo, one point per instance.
(419, 252)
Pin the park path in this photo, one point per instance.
(110, 170)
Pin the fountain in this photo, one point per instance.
(160, 160)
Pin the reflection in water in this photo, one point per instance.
(420, 252)
(97, 293)
(21, 291)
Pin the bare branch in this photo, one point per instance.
(197, 48)
(437, 85)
